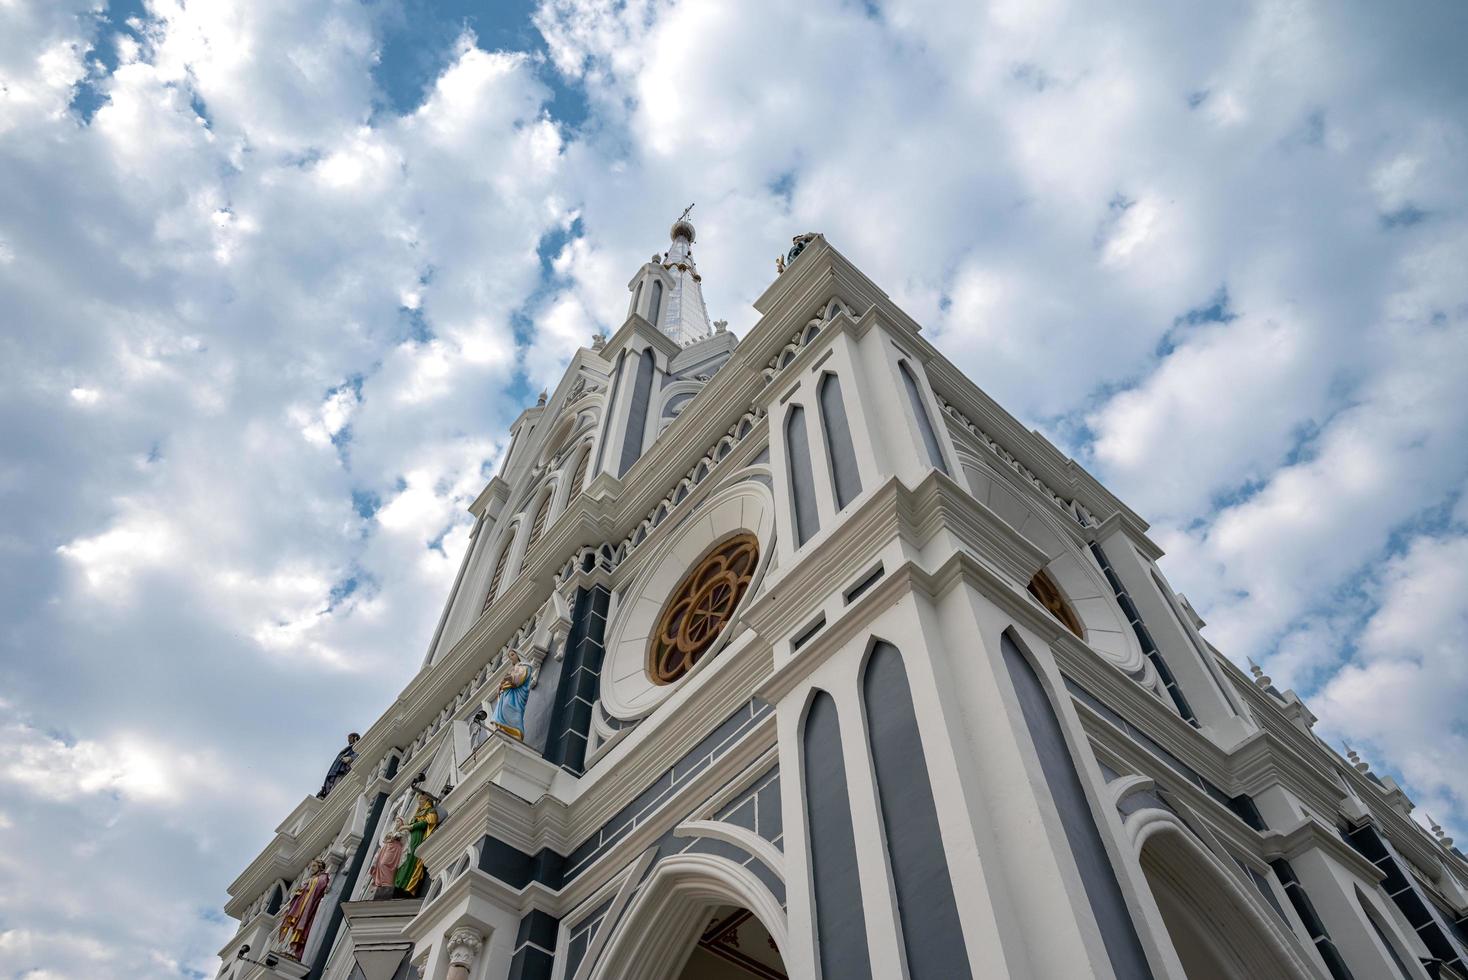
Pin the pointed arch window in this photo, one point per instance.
(655, 302)
(931, 931)
(499, 570)
(579, 475)
(1044, 589)
(839, 450)
(637, 412)
(537, 525)
(920, 410)
(802, 482)
(637, 298)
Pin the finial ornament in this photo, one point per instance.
(686, 211)
(598, 340)
(1354, 758)
(1261, 679)
(1439, 833)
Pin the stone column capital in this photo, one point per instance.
(464, 944)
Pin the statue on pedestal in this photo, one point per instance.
(300, 911)
(410, 872)
(384, 868)
(509, 707)
(341, 765)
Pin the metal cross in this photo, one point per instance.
(684, 215)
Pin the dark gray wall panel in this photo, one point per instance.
(655, 304)
(841, 932)
(930, 928)
(637, 413)
(802, 483)
(920, 410)
(839, 449)
(1102, 889)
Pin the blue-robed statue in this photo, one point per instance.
(509, 708)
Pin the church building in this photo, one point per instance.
(794, 655)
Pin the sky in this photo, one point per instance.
(275, 275)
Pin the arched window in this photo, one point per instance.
(1098, 878)
(840, 924)
(499, 570)
(637, 411)
(537, 526)
(637, 297)
(920, 410)
(931, 931)
(1044, 589)
(579, 475)
(1381, 934)
(655, 302)
(839, 450)
(802, 483)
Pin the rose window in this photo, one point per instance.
(701, 606)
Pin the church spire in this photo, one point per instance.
(684, 316)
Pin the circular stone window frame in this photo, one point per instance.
(628, 691)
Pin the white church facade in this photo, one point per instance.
(796, 656)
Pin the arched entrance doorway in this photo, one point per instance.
(1217, 929)
(734, 945)
(688, 918)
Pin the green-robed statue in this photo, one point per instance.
(424, 822)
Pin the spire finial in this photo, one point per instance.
(1439, 833)
(682, 228)
(1354, 758)
(1261, 679)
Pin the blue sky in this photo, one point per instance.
(276, 274)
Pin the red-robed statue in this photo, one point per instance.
(300, 911)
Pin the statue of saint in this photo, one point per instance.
(389, 855)
(341, 765)
(424, 822)
(509, 707)
(300, 911)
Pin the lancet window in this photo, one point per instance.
(499, 570)
(655, 302)
(802, 482)
(920, 410)
(839, 451)
(537, 525)
(578, 476)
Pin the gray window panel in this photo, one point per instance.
(601, 446)
(637, 297)
(840, 923)
(655, 304)
(839, 449)
(802, 482)
(637, 413)
(1081, 833)
(931, 931)
(1391, 947)
(920, 410)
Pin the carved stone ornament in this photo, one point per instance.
(464, 945)
(701, 606)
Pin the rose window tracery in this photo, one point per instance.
(701, 606)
